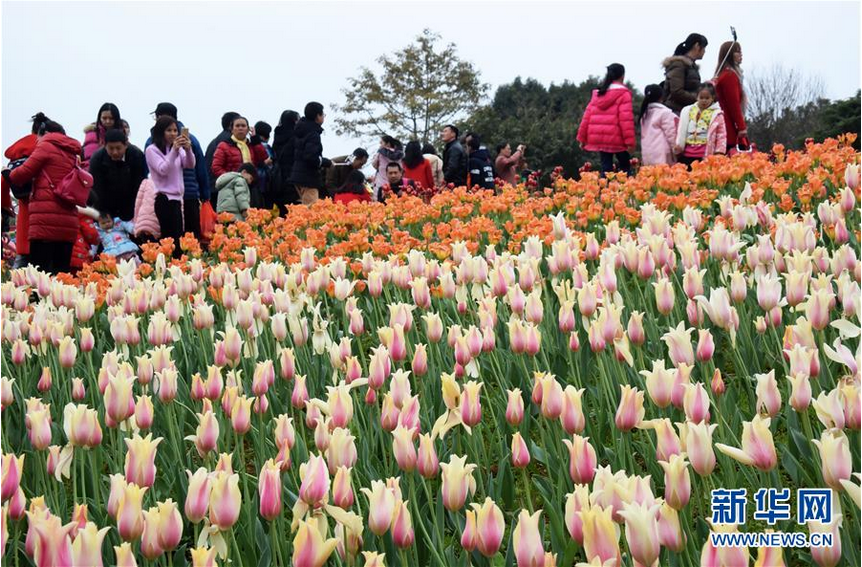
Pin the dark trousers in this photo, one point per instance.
(192, 217)
(51, 256)
(687, 160)
(607, 162)
(170, 217)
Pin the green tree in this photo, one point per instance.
(840, 117)
(418, 90)
(544, 119)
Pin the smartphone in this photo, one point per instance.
(185, 132)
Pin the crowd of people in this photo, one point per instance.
(684, 119)
(139, 196)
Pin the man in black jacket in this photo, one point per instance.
(336, 175)
(454, 158)
(480, 168)
(226, 120)
(308, 154)
(117, 169)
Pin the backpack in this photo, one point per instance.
(74, 188)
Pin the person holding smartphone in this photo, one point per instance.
(168, 155)
(196, 182)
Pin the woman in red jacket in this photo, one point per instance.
(416, 167)
(233, 153)
(731, 95)
(354, 189)
(53, 224)
(608, 125)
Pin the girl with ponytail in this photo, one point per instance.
(608, 125)
(658, 128)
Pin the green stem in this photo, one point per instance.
(527, 489)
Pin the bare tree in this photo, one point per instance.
(774, 90)
(781, 104)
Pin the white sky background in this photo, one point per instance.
(260, 58)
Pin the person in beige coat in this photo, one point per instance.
(429, 153)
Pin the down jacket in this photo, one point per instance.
(87, 236)
(50, 219)
(658, 135)
(21, 149)
(94, 138)
(234, 195)
(681, 79)
(307, 154)
(146, 221)
(608, 124)
(228, 157)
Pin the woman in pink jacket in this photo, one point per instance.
(658, 128)
(608, 125)
(94, 134)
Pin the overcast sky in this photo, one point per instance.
(260, 58)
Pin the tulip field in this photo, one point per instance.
(532, 378)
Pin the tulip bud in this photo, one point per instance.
(717, 383)
(836, 463)
(527, 540)
(381, 505)
(635, 329)
(670, 532)
(269, 490)
(45, 380)
(490, 526)
(427, 462)
(457, 482)
(342, 489)
(577, 501)
(827, 556)
(515, 407)
(552, 397)
(768, 396)
(403, 448)
(310, 549)
(315, 481)
(198, 495)
(582, 459)
(630, 411)
(642, 532)
(520, 452)
(696, 403)
(225, 500)
(572, 418)
(402, 526)
(124, 555)
(601, 537)
(677, 482)
(130, 517)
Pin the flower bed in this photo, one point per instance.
(477, 379)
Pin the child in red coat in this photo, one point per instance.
(608, 125)
(87, 236)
